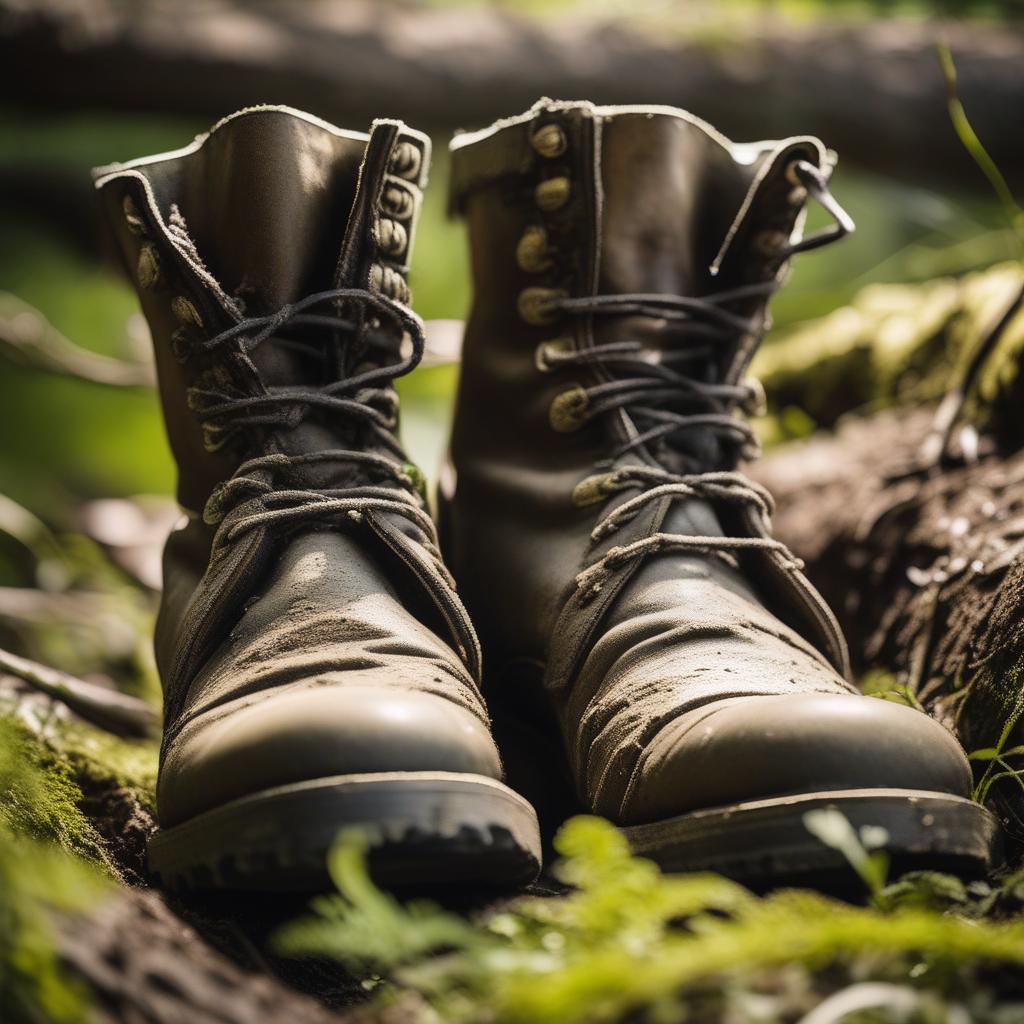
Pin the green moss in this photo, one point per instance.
(892, 343)
(97, 758)
(629, 943)
(46, 845)
(36, 880)
(39, 795)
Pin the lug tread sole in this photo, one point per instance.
(425, 830)
(762, 840)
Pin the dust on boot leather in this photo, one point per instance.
(319, 670)
(610, 553)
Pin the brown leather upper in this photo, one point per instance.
(300, 635)
(569, 200)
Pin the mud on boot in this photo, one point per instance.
(319, 669)
(616, 563)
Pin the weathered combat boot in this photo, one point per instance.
(605, 545)
(319, 670)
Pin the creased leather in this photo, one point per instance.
(286, 654)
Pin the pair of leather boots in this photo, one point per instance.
(651, 654)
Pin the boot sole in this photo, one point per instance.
(425, 830)
(766, 841)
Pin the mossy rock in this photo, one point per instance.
(81, 789)
(894, 343)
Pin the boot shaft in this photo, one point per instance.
(622, 261)
(269, 207)
(270, 258)
(571, 200)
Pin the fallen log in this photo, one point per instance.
(873, 90)
(140, 962)
(926, 572)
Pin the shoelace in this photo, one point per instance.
(662, 398)
(363, 398)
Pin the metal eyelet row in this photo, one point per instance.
(394, 224)
(147, 266)
(148, 276)
(533, 254)
(535, 304)
(184, 312)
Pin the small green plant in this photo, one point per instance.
(997, 767)
(630, 943)
(864, 850)
(974, 146)
(884, 685)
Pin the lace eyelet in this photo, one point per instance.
(147, 269)
(532, 250)
(595, 489)
(185, 312)
(214, 437)
(553, 193)
(397, 202)
(535, 305)
(393, 237)
(543, 352)
(181, 344)
(136, 225)
(194, 400)
(549, 141)
(567, 413)
(406, 161)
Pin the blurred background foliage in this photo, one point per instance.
(85, 474)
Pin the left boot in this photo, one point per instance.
(319, 670)
(630, 599)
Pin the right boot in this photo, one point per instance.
(636, 615)
(319, 670)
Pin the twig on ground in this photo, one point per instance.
(117, 712)
(27, 335)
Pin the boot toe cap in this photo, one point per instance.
(312, 733)
(753, 748)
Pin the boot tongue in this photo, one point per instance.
(671, 190)
(266, 200)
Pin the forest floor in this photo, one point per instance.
(86, 936)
